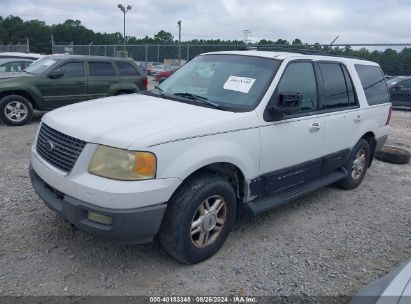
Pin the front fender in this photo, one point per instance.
(182, 158)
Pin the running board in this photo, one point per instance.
(265, 204)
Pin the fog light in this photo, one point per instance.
(99, 218)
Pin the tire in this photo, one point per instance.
(393, 155)
(15, 110)
(184, 223)
(357, 165)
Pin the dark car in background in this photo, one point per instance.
(14, 64)
(58, 80)
(400, 91)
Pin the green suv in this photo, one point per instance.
(58, 80)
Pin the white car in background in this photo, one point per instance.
(32, 56)
(234, 130)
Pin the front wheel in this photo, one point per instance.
(198, 219)
(15, 110)
(357, 165)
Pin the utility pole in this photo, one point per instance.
(246, 34)
(124, 10)
(179, 42)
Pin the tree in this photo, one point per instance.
(297, 41)
(163, 37)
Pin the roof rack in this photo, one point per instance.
(300, 51)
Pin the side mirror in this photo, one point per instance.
(161, 80)
(56, 74)
(287, 103)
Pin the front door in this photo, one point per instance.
(291, 148)
(70, 87)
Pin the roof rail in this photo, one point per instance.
(307, 52)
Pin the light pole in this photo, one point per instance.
(124, 10)
(179, 42)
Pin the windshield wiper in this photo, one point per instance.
(198, 97)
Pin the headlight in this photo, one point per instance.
(123, 164)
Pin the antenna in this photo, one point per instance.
(335, 39)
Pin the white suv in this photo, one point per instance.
(229, 131)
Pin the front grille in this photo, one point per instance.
(58, 149)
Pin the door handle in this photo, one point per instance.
(114, 81)
(79, 82)
(357, 118)
(315, 127)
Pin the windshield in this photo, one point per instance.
(232, 82)
(41, 65)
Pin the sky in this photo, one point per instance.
(361, 21)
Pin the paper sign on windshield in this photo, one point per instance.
(239, 84)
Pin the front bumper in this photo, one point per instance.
(138, 225)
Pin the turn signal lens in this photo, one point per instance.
(145, 164)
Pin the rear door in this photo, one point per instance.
(102, 79)
(130, 75)
(70, 88)
(341, 109)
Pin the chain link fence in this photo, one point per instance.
(394, 59)
(21, 48)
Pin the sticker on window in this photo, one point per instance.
(239, 84)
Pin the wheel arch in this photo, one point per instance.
(234, 175)
(22, 93)
(370, 138)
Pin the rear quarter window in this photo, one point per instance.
(126, 69)
(373, 83)
(101, 69)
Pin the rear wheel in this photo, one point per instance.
(199, 218)
(15, 110)
(357, 165)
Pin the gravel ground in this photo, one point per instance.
(331, 242)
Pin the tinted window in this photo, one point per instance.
(299, 77)
(406, 84)
(126, 69)
(72, 69)
(101, 69)
(374, 84)
(335, 87)
(350, 87)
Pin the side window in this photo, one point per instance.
(335, 87)
(299, 77)
(72, 69)
(406, 84)
(373, 83)
(350, 87)
(101, 69)
(126, 69)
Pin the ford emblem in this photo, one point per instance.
(49, 146)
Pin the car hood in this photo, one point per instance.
(121, 120)
(8, 75)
